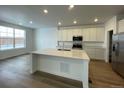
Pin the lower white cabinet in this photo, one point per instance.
(95, 53)
(99, 53)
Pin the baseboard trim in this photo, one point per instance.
(97, 60)
(60, 78)
(14, 56)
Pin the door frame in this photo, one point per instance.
(107, 50)
(109, 32)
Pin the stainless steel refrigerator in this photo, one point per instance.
(118, 53)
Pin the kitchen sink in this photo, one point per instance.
(64, 50)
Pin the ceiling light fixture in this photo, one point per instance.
(30, 22)
(95, 20)
(45, 11)
(59, 23)
(75, 22)
(71, 6)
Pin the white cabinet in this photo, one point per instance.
(92, 36)
(77, 32)
(89, 34)
(99, 53)
(60, 35)
(100, 34)
(86, 34)
(69, 35)
(95, 53)
(90, 52)
(64, 35)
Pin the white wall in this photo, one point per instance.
(29, 42)
(109, 25)
(45, 38)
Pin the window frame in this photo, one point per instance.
(24, 39)
(14, 48)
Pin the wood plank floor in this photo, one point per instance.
(14, 73)
(103, 76)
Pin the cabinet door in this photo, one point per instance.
(64, 35)
(59, 35)
(79, 32)
(99, 52)
(75, 33)
(90, 52)
(69, 35)
(100, 34)
(82, 33)
(121, 26)
(92, 32)
(86, 34)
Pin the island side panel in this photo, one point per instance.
(34, 63)
(85, 73)
(65, 67)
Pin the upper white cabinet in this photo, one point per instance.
(59, 35)
(85, 34)
(89, 34)
(92, 34)
(77, 32)
(64, 35)
(69, 35)
(100, 34)
(121, 26)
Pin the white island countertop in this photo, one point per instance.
(76, 54)
(72, 64)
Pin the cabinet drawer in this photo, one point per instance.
(99, 53)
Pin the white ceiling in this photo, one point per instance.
(84, 14)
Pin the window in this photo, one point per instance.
(19, 38)
(11, 38)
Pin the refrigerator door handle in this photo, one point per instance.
(113, 48)
(118, 49)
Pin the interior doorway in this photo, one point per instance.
(110, 45)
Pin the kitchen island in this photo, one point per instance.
(72, 64)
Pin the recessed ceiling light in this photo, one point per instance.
(75, 22)
(95, 20)
(71, 6)
(30, 22)
(45, 11)
(59, 23)
(20, 23)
